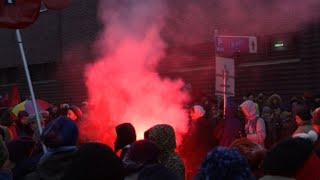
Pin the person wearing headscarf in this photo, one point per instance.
(164, 136)
(126, 135)
(254, 127)
(224, 163)
(141, 162)
(60, 137)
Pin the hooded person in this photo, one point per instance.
(141, 162)
(197, 141)
(126, 135)
(224, 163)
(95, 161)
(274, 101)
(164, 136)
(254, 127)
(60, 137)
(231, 125)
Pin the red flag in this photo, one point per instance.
(14, 96)
(56, 4)
(18, 14)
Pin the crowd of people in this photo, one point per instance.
(259, 137)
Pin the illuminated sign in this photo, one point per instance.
(239, 44)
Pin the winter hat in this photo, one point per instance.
(20, 148)
(312, 135)
(224, 163)
(22, 114)
(126, 134)
(95, 161)
(288, 157)
(266, 109)
(141, 153)
(4, 154)
(198, 111)
(62, 131)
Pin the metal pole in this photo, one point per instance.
(224, 91)
(26, 70)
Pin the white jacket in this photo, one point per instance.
(255, 126)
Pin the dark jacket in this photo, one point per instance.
(231, 125)
(53, 167)
(5, 175)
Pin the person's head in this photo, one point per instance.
(266, 112)
(164, 136)
(250, 96)
(286, 158)
(224, 163)
(62, 131)
(255, 153)
(303, 116)
(274, 100)
(126, 134)
(32, 121)
(95, 161)
(140, 154)
(249, 110)
(22, 116)
(197, 112)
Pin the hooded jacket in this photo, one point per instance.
(164, 136)
(255, 126)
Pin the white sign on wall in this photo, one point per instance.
(225, 64)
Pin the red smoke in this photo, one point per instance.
(123, 85)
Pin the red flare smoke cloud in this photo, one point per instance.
(123, 85)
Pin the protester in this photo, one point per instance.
(141, 162)
(254, 127)
(164, 136)
(60, 137)
(126, 135)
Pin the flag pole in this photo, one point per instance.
(26, 70)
